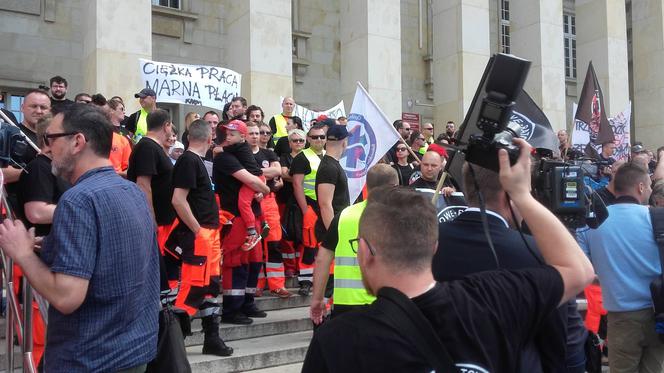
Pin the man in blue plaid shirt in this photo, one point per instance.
(99, 266)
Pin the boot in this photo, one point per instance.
(212, 343)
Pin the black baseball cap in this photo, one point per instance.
(146, 92)
(337, 132)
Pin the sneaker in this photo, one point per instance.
(250, 242)
(259, 293)
(305, 289)
(237, 319)
(265, 230)
(255, 313)
(281, 293)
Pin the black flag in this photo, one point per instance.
(590, 114)
(535, 126)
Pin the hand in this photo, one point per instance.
(317, 311)
(516, 179)
(217, 149)
(447, 191)
(38, 243)
(258, 196)
(15, 240)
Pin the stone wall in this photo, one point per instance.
(38, 42)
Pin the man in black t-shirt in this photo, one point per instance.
(151, 169)
(481, 320)
(197, 236)
(59, 86)
(229, 175)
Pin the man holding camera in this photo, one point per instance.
(626, 258)
(463, 249)
(481, 321)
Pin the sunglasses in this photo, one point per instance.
(47, 137)
(428, 129)
(421, 138)
(319, 137)
(264, 133)
(297, 141)
(401, 149)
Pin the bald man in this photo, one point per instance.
(430, 167)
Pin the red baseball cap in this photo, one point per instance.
(237, 125)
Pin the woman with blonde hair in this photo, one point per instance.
(188, 119)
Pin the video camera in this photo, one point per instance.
(504, 84)
(561, 188)
(12, 144)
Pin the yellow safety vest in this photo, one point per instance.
(348, 287)
(309, 183)
(141, 125)
(280, 123)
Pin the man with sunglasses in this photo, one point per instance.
(99, 266)
(303, 171)
(476, 324)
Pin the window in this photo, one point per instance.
(569, 35)
(167, 3)
(505, 26)
(12, 103)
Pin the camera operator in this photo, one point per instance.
(36, 104)
(463, 249)
(482, 320)
(626, 258)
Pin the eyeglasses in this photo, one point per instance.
(355, 243)
(401, 149)
(265, 133)
(319, 137)
(49, 136)
(297, 141)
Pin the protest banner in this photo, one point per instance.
(621, 131)
(371, 136)
(198, 85)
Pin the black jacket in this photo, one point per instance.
(463, 249)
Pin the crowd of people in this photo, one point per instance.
(120, 217)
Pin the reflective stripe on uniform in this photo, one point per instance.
(345, 261)
(348, 284)
(250, 291)
(234, 292)
(275, 274)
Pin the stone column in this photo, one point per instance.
(601, 37)
(461, 51)
(259, 46)
(648, 74)
(116, 34)
(537, 35)
(370, 34)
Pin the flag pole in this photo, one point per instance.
(410, 150)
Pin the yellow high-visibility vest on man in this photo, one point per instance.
(348, 287)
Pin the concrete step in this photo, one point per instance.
(254, 353)
(277, 322)
(290, 368)
(268, 302)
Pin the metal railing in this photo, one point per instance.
(18, 321)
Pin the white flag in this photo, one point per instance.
(371, 136)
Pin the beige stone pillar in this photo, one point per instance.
(461, 51)
(259, 46)
(648, 71)
(116, 34)
(537, 35)
(601, 37)
(370, 34)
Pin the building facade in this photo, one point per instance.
(414, 56)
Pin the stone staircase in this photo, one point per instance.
(275, 344)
